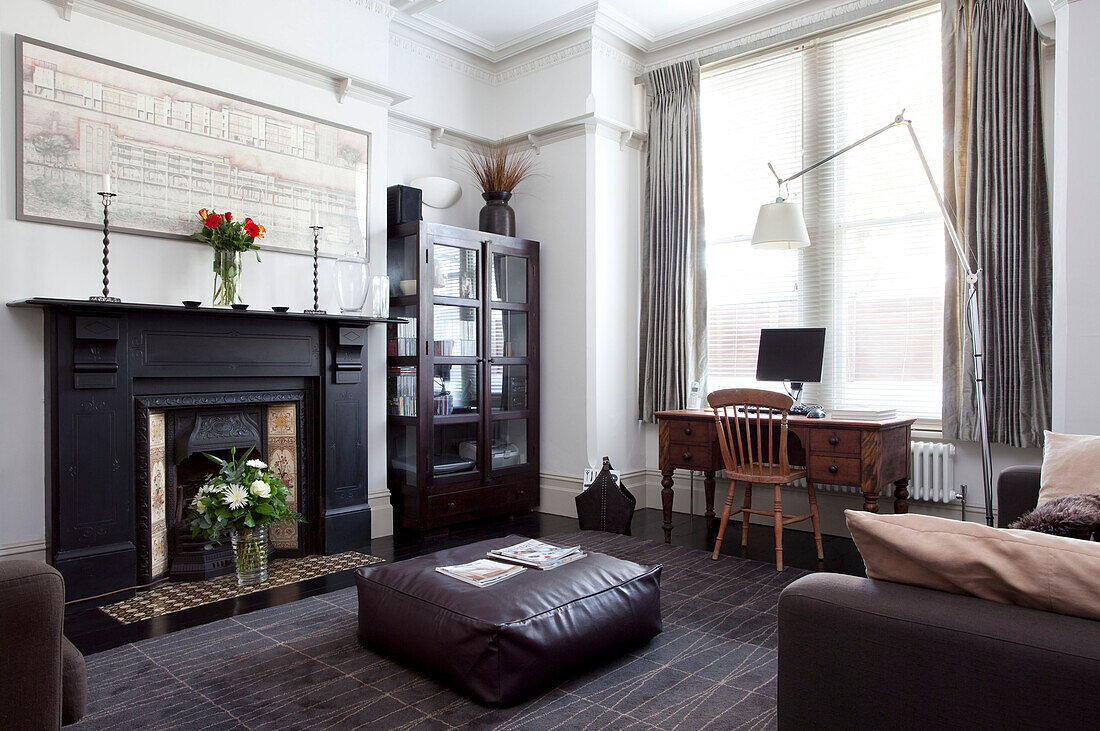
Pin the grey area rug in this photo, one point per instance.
(300, 666)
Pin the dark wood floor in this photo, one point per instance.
(91, 630)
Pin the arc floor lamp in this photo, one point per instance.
(780, 225)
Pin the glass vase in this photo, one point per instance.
(352, 279)
(227, 277)
(379, 298)
(250, 555)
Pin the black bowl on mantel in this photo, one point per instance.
(191, 304)
(280, 309)
(239, 306)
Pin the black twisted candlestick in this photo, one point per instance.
(106, 296)
(316, 304)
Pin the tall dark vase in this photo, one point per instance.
(497, 217)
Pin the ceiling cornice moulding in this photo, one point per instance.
(440, 30)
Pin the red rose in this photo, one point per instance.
(213, 220)
(228, 215)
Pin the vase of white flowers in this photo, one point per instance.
(242, 499)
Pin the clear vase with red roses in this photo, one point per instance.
(229, 239)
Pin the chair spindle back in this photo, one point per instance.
(746, 419)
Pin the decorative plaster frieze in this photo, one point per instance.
(542, 62)
(375, 6)
(493, 78)
(609, 51)
(441, 58)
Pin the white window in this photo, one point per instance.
(874, 274)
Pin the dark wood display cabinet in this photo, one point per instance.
(463, 374)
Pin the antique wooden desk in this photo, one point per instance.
(864, 454)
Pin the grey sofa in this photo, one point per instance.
(42, 677)
(857, 653)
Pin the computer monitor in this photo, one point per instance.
(791, 354)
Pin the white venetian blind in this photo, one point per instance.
(874, 275)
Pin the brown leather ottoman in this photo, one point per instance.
(504, 643)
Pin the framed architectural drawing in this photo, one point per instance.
(172, 148)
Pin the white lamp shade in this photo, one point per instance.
(438, 192)
(780, 225)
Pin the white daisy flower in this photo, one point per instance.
(257, 463)
(235, 496)
(259, 488)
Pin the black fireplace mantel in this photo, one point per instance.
(104, 359)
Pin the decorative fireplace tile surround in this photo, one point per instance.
(114, 372)
(280, 447)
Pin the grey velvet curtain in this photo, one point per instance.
(672, 335)
(995, 183)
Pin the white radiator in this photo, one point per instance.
(933, 478)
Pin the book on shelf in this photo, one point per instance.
(538, 555)
(481, 572)
(401, 392)
(866, 413)
(402, 341)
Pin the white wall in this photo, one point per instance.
(1076, 190)
(58, 261)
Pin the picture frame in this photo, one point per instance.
(173, 147)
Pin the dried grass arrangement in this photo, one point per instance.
(499, 168)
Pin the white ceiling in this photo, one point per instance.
(496, 28)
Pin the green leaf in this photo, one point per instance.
(215, 458)
(265, 509)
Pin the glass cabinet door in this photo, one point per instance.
(456, 355)
(511, 360)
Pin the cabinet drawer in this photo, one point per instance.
(691, 455)
(468, 501)
(835, 441)
(694, 432)
(834, 470)
(483, 499)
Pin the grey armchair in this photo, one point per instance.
(42, 677)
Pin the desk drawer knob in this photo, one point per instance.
(687, 456)
(450, 504)
(688, 430)
(833, 469)
(834, 440)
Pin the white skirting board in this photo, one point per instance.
(34, 550)
(558, 493)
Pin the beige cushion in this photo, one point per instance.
(1071, 466)
(1025, 568)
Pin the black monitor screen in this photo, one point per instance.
(791, 354)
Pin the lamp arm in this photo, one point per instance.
(897, 120)
(900, 120)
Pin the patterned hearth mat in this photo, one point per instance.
(174, 596)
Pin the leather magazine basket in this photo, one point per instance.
(606, 505)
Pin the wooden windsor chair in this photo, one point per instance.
(747, 420)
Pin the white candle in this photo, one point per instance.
(106, 182)
(314, 216)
